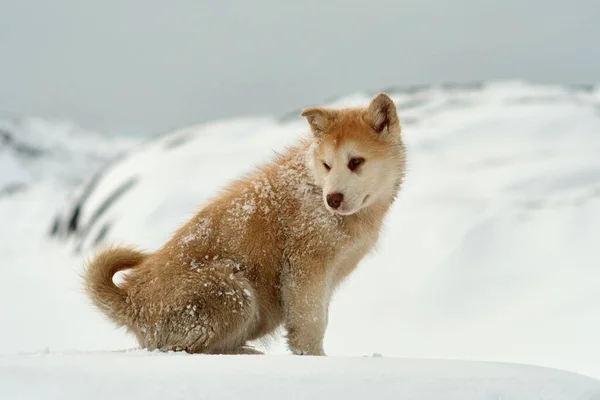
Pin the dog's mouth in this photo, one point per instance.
(342, 212)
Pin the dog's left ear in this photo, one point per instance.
(383, 115)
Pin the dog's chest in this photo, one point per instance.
(349, 255)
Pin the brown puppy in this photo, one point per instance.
(270, 249)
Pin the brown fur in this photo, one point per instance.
(264, 252)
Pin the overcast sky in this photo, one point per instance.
(143, 66)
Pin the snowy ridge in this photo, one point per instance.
(490, 252)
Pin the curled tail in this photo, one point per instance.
(99, 285)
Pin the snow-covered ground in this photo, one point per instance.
(140, 375)
(489, 254)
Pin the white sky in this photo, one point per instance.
(143, 66)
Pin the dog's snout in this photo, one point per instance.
(335, 200)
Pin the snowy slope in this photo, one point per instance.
(141, 375)
(33, 150)
(489, 254)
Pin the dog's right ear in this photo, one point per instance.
(319, 119)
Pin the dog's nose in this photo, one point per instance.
(334, 200)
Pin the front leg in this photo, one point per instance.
(306, 301)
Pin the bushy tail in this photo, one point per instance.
(99, 284)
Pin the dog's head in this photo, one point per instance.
(357, 156)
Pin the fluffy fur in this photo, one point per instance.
(270, 249)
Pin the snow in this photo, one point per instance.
(490, 254)
(142, 375)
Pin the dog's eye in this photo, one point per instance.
(327, 167)
(355, 162)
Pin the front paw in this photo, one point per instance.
(306, 352)
(297, 352)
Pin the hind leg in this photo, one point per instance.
(243, 350)
(210, 310)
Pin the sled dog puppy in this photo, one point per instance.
(269, 249)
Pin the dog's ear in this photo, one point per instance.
(383, 115)
(319, 119)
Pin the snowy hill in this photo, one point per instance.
(489, 254)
